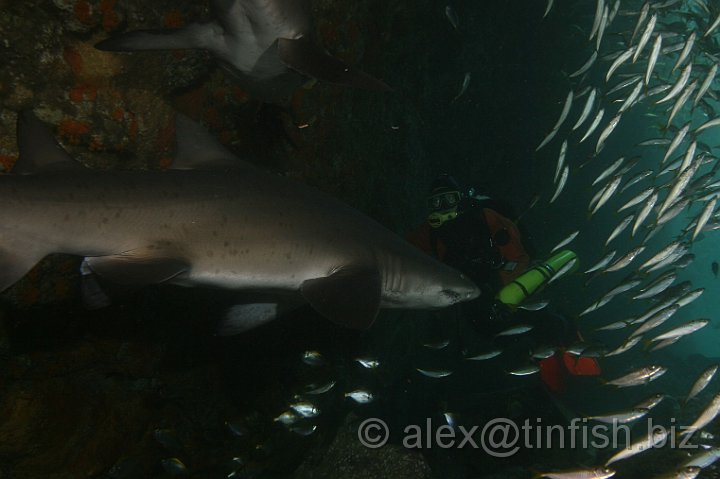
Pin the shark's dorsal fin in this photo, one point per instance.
(350, 296)
(39, 151)
(198, 149)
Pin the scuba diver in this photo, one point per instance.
(475, 234)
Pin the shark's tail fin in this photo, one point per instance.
(189, 37)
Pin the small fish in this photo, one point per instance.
(656, 436)
(619, 228)
(434, 373)
(368, 363)
(534, 306)
(548, 8)
(515, 330)
(599, 9)
(593, 126)
(525, 370)
(543, 352)
(626, 346)
(452, 16)
(653, 58)
(568, 239)
(486, 355)
(624, 84)
(663, 282)
(645, 37)
(708, 414)
(639, 198)
(638, 377)
(561, 183)
(678, 86)
(705, 86)
(305, 409)
(464, 87)
(715, 267)
(596, 473)
(650, 402)
(618, 62)
(313, 389)
(656, 320)
(625, 260)
(701, 382)
(686, 51)
(641, 19)
(561, 160)
(586, 66)
(304, 429)
(313, 358)
(704, 459)
(712, 26)
(682, 99)
(589, 103)
(704, 217)
(360, 396)
(708, 124)
(174, 467)
(622, 417)
(438, 345)
(609, 128)
(675, 143)
(287, 418)
(450, 419)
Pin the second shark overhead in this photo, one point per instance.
(214, 221)
(265, 43)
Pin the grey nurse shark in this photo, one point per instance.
(266, 43)
(214, 221)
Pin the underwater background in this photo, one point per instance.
(124, 391)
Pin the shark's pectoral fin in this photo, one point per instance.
(309, 59)
(138, 267)
(39, 152)
(198, 149)
(350, 297)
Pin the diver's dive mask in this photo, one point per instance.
(443, 207)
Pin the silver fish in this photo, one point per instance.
(595, 123)
(650, 402)
(644, 212)
(678, 86)
(708, 124)
(452, 17)
(661, 255)
(609, 171)
(565, 241)
(464, 87)
(305, 409)
(682, 330)
(708, 414)
(662, 283)
(654, 54)
(625, 260)
(564, 270)
(561, 184)
(626, 346)
(313, 358)
(515, 330)
(689, 156)
(438, 345)
(599, 8)
(679, 186)
(609, 191)
(677, 139)
(486, 355)
(621, 417)
(589, 103)
(565, 110)
(360, 396)
(525, 370)
(640, 376)
(434, 373)
(595, 473)
(368, 363)
(618, 62)
(682, 99)
(709, 78)
(534, 306)
(640, 197)
(624, 84)
(702, 381)
(548, 8)
(641, 19)
(636, 179)
(645, 37)
(631, 99)
(543, 352)
(622, 324)
(601, 28)
(619, 228)
(287, 418)
(561, 159)
(704, 217)
(656, 320)
(686, 51)
(606, 132)
(602, 263)
(586, 66)
(712, 26)
(655, 437)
